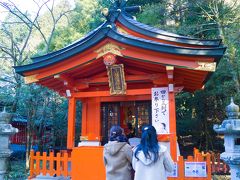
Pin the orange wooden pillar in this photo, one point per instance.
(94, 118)
(71, 122)
(173, 129)
(172, 113)
(91, 120)
(84, 118)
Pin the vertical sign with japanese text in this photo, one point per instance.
(160, 110)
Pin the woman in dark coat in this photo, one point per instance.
(117, 156)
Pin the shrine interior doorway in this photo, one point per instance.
(130, 115)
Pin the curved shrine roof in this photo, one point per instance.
(107, 32)
(155, 43)
(147, 30)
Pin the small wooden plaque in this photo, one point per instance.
(116, 79)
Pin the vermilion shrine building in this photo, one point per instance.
(113, 69)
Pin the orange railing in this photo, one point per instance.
(59, 165)
(218, 165)
(197, 157)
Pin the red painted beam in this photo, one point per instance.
(129, 78)
(107, 93)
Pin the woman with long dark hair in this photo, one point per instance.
(117, 156)
(151, 160)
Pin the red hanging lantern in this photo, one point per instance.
(109, 59)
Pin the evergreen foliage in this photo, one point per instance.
(197, 112)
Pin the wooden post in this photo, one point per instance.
(37, 162)
(71, 122)
(213, 162)
(218, 162)
(44, 163)
(84, 117)
(172, 114)
(209, 169)
(181, 168)
(51, 162)
(91, 119)
(173, 129)
(58, 168)
(65, 164)
(31, 163)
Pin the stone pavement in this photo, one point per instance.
(48, 177)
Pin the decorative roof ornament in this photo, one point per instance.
(119, 4)
(232, 110)
(105, 12)
(109, 48)
(117, 7)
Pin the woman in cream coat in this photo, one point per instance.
(151, 161)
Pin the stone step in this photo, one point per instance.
(48, 177)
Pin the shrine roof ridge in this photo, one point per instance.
(167, 48)
(154, 32)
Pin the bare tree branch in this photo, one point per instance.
(14, 10)
(204, 30)
(6, 80)
(5, 57)
(55, 22)
(10, 23)
(28, 22)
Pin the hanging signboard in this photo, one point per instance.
(116, 79)
(195, 169)
(160, 110)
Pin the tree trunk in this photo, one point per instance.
(28, 143)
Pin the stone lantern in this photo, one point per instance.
(6, 130)
(230, 128)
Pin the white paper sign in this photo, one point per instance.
(174, 173)
(195, 169)
(160, 110)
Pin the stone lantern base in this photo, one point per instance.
(6, 130)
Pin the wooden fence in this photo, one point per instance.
(59, 165)
(198, 157)
(219, 166)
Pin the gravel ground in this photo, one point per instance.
(17, 170)
(222, 177)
